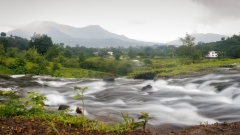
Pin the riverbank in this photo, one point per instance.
(23, 126)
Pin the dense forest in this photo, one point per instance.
(40, 55)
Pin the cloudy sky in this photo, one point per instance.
(146, 20)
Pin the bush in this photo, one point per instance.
(148, 62)
(18, 66)
(124, 68)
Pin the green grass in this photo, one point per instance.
(161, 67)
(181, 66)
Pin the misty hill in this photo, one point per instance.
(90, 36)
(206, 38)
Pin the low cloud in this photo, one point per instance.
(216, 11)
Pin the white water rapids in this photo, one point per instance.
(176, 102)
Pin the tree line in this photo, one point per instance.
(41, 50)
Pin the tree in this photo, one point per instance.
(3, 34)
(149, 52)
(188, 40)
(117, 57)
(196, 55)
(52, 52)
(82, 56)
(148, 62)
(2, 55)
(41, 42)
(131, 54)
(5, 42)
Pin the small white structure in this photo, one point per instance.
(212, 54)
(138, 63)
(110, 53)
(95, 53)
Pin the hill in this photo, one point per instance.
(206, 38)
(90, 36)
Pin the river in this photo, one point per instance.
(174, 103)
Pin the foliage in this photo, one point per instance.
(13, 107)
(148, 62)
(196, 55)
(3, 34)
(36, 100)
(55, 66)
(2, 55)
(124, 68)
(41, 42)
(117, 57)
(145, 117)
(131, 54)
(5, 42)
(129, 122)
(12, 52)
(80, 95)
(31, 55)
(40, 66)
(82, 57)
(53, 52)
(18, 66)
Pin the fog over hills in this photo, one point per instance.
(206, 38)
(90, 36)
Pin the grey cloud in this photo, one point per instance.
(215, 11)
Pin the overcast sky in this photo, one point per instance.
(146, 20)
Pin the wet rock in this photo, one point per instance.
(24, 81)
(220, 86)
(109, 79)
(6, 77)
(146, 76)
(63, 107)
(148, 87)
(78, 110)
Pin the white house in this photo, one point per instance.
(212, 54)
(110, 53)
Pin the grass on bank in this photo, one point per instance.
(170, 67)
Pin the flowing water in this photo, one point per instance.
(173, 103)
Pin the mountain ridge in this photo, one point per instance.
(82, 36)
(208, 37)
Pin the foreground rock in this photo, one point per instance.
(148, 87)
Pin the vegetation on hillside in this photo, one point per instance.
(40, 55)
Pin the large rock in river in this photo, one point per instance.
(109, 79)
(148, 87)
(63, 107)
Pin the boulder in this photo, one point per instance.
(148, 87)
(78, 110)
(109, 79)
(145, 76)
(63, 107)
